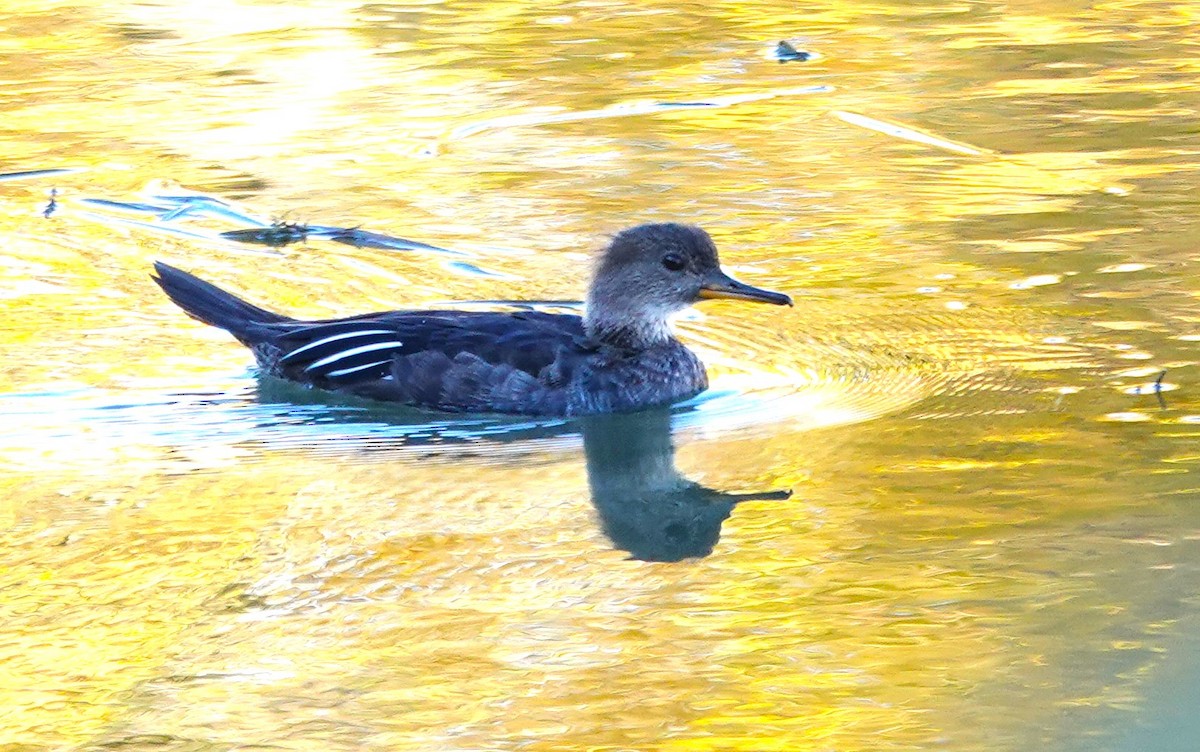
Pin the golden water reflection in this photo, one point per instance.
(990, 542)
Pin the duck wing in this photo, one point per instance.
(345, 352)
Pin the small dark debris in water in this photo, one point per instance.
(277, 235)
(786, 53)
(52, 204)
(1157, 388)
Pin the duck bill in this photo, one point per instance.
(721, 285)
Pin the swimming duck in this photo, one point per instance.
(620, 356)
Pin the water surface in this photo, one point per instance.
(984, 211)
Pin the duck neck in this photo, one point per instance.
(627, 330)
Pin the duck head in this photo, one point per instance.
(652, 271)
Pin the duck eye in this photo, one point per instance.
(673, 262)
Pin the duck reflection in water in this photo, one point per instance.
(645, 506)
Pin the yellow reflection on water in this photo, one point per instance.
(989, 543)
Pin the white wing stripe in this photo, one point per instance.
(354, 351)
(335, 338)
(346, 371)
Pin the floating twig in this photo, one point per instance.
(906, 133)
(277, 235)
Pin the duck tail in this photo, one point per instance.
(210, 304)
